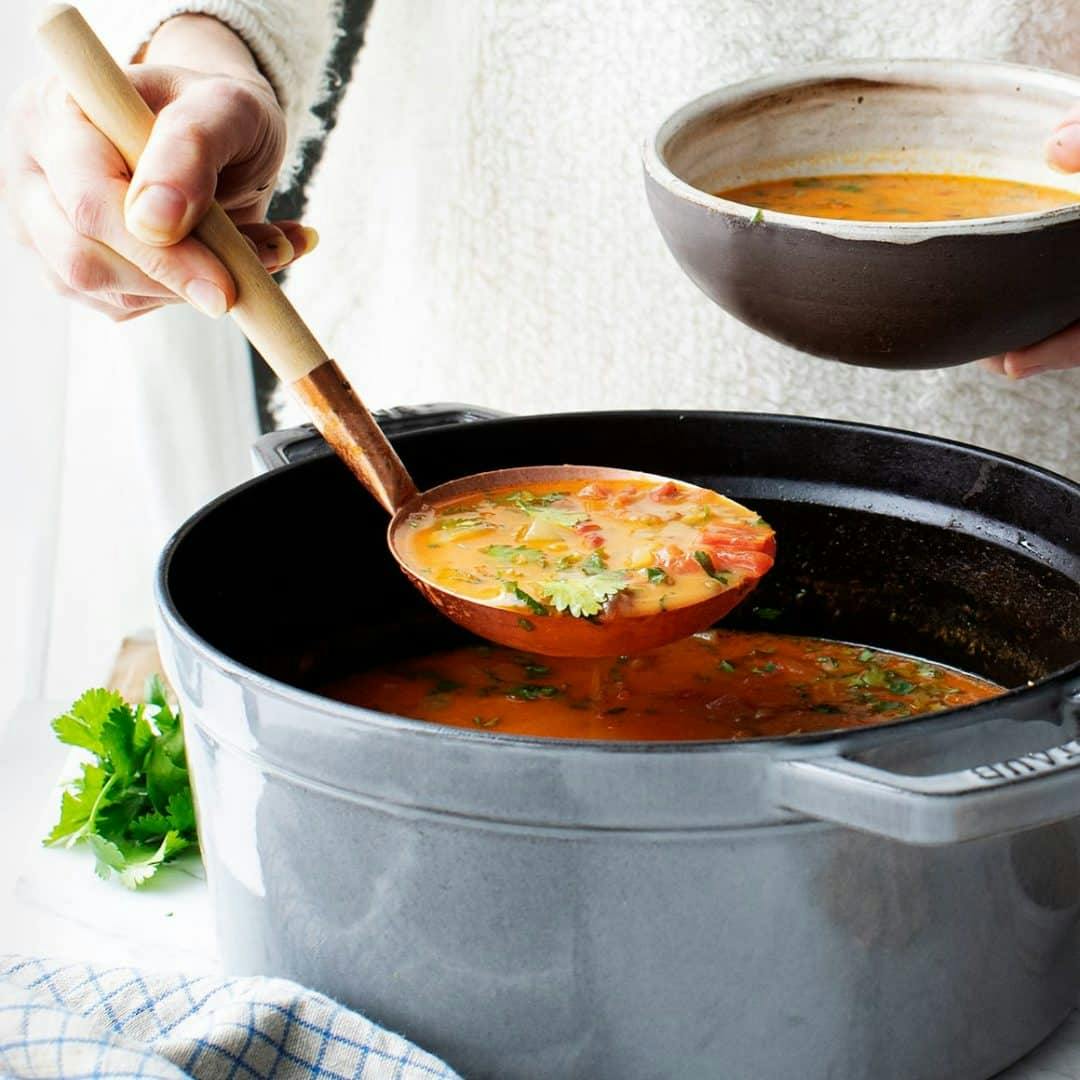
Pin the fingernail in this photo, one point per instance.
(156, 213)
(1063, 149)
(275, 252)
(207, 297)
(303, 238)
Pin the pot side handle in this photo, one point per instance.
(287, 445)
(1036, 788)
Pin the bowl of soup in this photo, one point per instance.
(892, 214)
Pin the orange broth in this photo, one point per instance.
(899, 196)
(585, 548)
(715, 685)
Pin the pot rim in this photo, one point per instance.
(847, 740)
(906, 232)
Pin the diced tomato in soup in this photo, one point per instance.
(744, 539)
(755, 563)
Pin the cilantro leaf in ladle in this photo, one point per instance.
(583, 595)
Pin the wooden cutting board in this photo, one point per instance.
(136, 660)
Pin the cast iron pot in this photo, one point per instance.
(894, 903)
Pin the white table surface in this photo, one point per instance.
(52, 903)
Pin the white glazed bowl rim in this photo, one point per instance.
(940, 71)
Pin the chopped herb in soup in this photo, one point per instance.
(715, 685)
(899, 196)
(587, 548)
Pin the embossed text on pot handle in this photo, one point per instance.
(1021, 792)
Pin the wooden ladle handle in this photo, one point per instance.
(262, 311)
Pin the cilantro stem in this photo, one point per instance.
(88, 826)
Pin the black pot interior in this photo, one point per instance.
(887, 539)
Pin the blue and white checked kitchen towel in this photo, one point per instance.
(74, 1021)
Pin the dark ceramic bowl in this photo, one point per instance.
(878, 294)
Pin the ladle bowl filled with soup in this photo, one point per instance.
(600, 562)
(895, 214)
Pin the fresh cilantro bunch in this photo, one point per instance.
(133, 807)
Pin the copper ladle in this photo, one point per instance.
(105, 94)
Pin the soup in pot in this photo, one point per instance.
(715, 685)
(899, 196)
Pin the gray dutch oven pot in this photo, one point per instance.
(898, 902)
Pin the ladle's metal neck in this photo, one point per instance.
(346, 424)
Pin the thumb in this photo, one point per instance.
(1063, 149)
(212, 123)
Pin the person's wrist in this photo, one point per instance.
(203, 43)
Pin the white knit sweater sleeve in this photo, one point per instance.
(290, 39)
